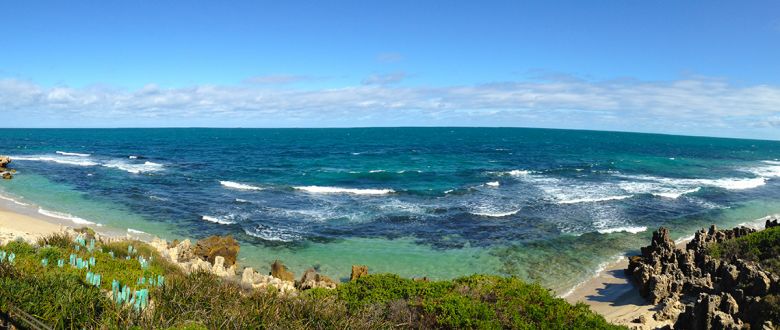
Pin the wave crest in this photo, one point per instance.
(337, 190)
(240, 186)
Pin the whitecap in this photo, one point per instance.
(72, 154)
(493, 214)
(593, 200)
(65, 160)
(376, 171)
(516, 173)
(241, 186)
(65, 216)
(135, 168)
(228, 220)
(493, 184)
(627, 229)
(132, 157)
(337, 190)
(135, 231)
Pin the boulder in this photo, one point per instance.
(7, 175)
(220, 270)
(4, 161)
(213, 246)
(358, 271)
(311, 279)
(279, 270)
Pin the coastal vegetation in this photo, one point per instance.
(55, 281)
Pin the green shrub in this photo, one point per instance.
(60, 239)
(762, 247)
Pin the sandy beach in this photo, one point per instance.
(14, 225)
(613, 295)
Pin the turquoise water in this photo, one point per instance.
(546, 205)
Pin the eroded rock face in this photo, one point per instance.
(358, 271)
(225, 246)
(4, 161)
(311, 279)
(701, 292)
(279, 270)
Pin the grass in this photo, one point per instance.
(62, 298)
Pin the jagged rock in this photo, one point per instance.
(7, 175)
(184, 251)
(670, 308)
(220, 270)
(4, 161)
(771, 222)
(213, 246)
(279, 270)
(358, 271)
(728, 304)
(311, 279)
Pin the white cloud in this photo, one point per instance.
(694, 106)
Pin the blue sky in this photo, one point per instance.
(693, 67)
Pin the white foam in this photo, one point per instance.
(222, 221)
(65, 216)
(72, 154)
(241, 186)
(135, 168)
(495, 214)
(272, 235)
(337, 190)
(376, 171)
(132, 157)
(516, 173)
(135, 231)
(771, 170)
(687, 184)
(13, 201)
(628, 229)
(677, 194)
(493, 184)
(65, 160)
(594, 199)
(239, 200)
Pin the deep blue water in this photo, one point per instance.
(521, 197)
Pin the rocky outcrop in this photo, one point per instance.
(358, 271)
(697, 290)
(279, 270)
(311, 279)
(4, 172)
(225, 246)
(254, 280)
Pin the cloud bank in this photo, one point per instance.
(699, 106)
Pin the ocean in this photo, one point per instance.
(550, 206)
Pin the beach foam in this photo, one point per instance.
(65, 216)
(135, 231)
(222, 221)
(13, 200)
(337, 190)
(72, 154)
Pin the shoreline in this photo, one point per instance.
(609, 292)
(612, 294)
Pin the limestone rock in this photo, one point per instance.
(358, 271)
(7, 175)
(4, 161)
(311, 279)
(213, 246)
(279, 270)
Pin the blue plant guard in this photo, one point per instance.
(11, 258)
(45, 262)
(60, 263)
(2, 256)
